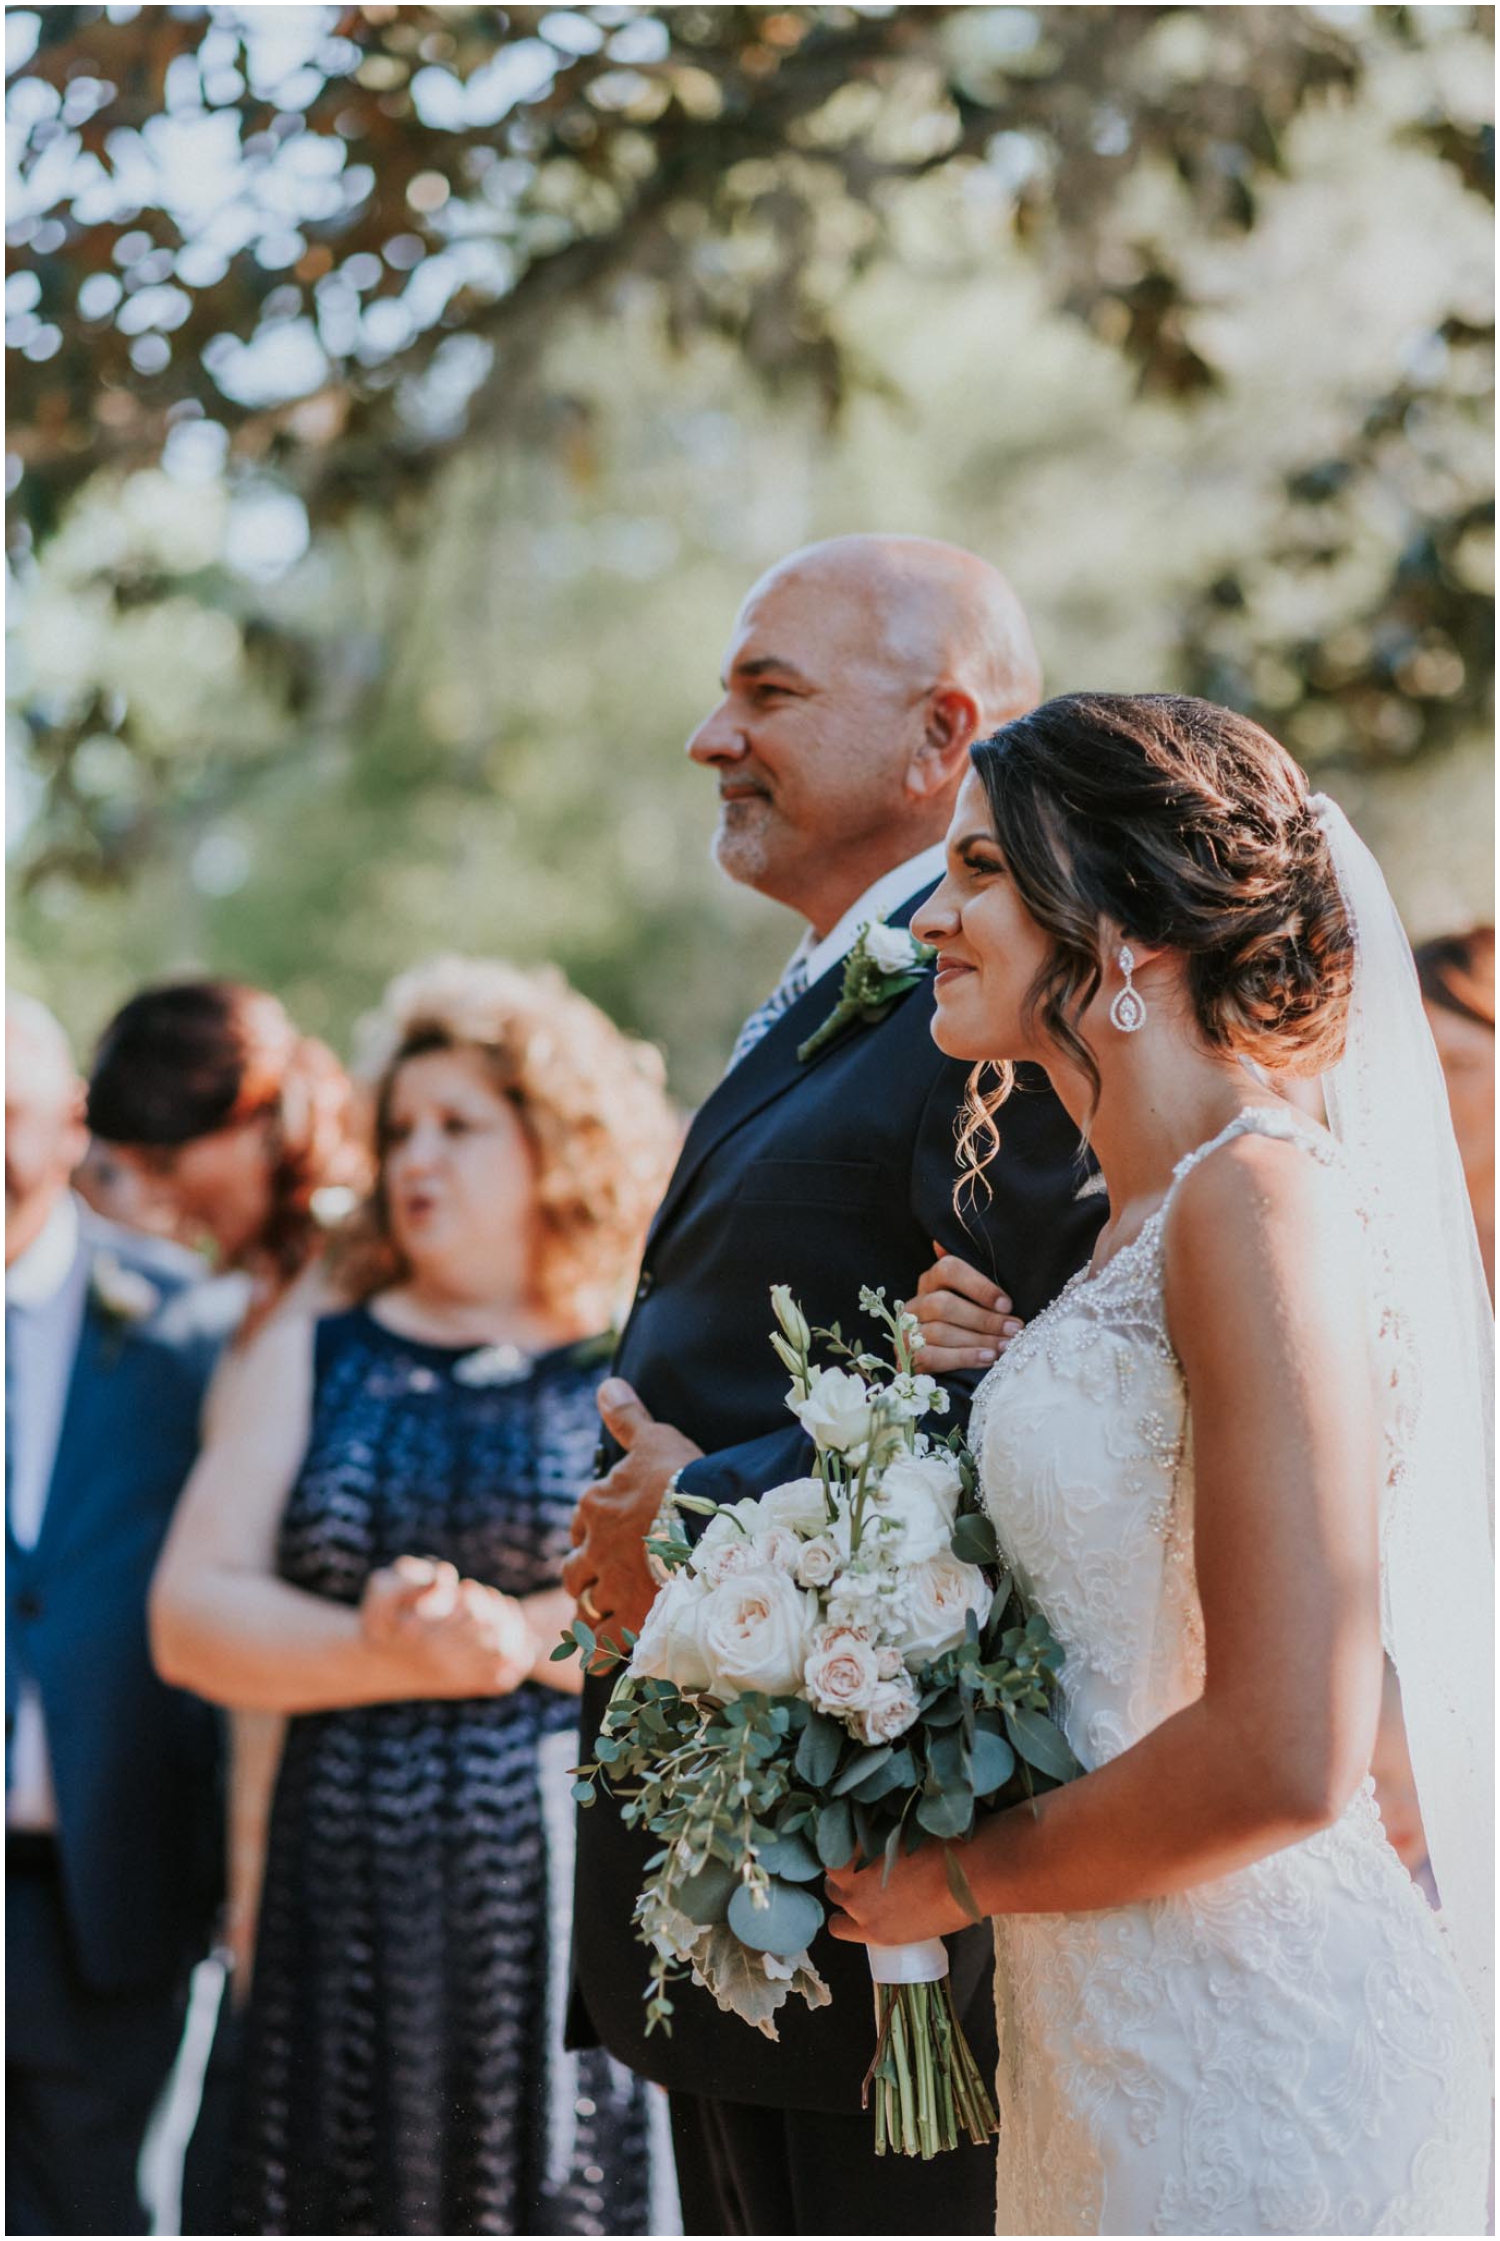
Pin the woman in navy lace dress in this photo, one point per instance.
(373, 1545)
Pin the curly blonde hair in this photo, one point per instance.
(591, 1100)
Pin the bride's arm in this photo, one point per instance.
(1266, 1309)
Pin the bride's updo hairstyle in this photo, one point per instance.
(1186, 827)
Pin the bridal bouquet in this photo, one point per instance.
(833, 1670)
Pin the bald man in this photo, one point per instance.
(858, 676)
(111, 1792)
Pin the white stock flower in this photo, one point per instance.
(800, 1505)
(836, 1412)
(889, 1713)
(843, 1672)
(854, 1598)
(920, 1494)
(755, 1631)
(669, 1645)
(939, 1596)
(913, 1394)
(889, 948)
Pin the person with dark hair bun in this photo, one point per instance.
(239, 1134)
(1242, 1446)
(247, 1131)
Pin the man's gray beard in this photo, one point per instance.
(739, 849)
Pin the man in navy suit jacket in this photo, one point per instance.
(859, 675)
(112, 1790)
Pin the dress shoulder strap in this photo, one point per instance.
(1276, 1121)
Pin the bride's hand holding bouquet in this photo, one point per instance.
(835, 1676)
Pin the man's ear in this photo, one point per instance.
(950, 725)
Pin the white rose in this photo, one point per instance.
(940, 1594)
(669, 1645)
(836, 1412)
(889, 1713)
(755, 1632)
(843, 1671)
(735, 1526)
(890, 1663)
(822, 1559)
(726, 1559)
(779, 1546)
(889, 948)
(920, 1493)
(801, 1505)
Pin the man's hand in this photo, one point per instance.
(966, 1320)
(607, 1573)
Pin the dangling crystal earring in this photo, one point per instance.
(1127, 1011)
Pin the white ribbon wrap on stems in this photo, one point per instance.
(926, 1962)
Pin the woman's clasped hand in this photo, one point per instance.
(452, 1636)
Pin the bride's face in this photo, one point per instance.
(990, 948)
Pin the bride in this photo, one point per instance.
(1239, 1450)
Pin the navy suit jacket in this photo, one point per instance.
(826, 1176)
(135, 1764)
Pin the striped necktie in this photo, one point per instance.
(792, 984)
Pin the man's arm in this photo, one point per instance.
(1002, 1252)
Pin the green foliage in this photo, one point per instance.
(417, 176)
(1022, 258)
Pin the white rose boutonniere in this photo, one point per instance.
(123, 1296)
(883, 964)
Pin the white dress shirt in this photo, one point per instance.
(46, 1288)
(888, 893)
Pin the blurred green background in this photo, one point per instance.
(402, 399)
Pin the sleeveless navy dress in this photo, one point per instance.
(404, 2069)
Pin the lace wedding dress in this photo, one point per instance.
(1288, 2049)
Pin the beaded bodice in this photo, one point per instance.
(1081, 1433)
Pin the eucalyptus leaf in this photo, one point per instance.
(897, 1772)
(946, 1812)
(818, 1750)
(958, 1884)
(785, 1925)
(974, 1539)
(992, 1762)
(863, 1763)
(791, 1857)
(1041, 1744)
(705, 1896)
(835, 1833)
(945, 1756)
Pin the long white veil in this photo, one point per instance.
(1388, 1106)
